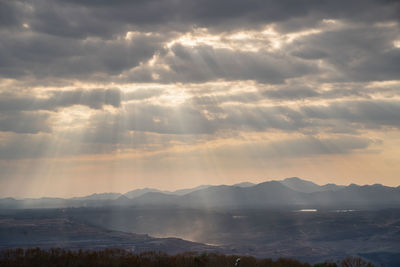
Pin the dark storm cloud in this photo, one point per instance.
(187, 119)
(340, 116)
(215, 100)
(88, 41)
(9, 14)
(117, 133)
(21, 113)
(145, 117)
(315, 93)
(182, 119)
(205, 63)
(356, 54)
(141, 94)
(94, 98)
(19, 146)
(263, 118)
(80, 19)
(367, 114)
(347, 54)
(309, 53)
(85, 39)
(206, 116)
(23, 122)
(22, 146)
(41, 55)
(297, 147)
(290, 93)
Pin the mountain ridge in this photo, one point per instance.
(291, 191)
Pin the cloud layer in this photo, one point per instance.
(162, 79)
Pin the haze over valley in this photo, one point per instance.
(286, 218)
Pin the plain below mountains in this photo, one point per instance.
(290, 192)
(48, 229)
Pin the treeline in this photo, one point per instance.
(120, 258)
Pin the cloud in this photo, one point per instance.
(367, 114)
(292, 93)
(309, 74)
(9, 14)
(141, 94)
(296, 147)
(94, 98)
(182, 119)
(93, 40)
(27, 54)
(354, 53)
(44, 145)
(25, 113)
(80, 19)
(212, 119)
(19, 146)
(206, 63)
(23, 122)
(186, 119)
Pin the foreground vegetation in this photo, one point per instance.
(118, 257)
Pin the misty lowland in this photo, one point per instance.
(291, 219)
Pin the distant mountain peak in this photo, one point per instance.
(139, 192)
(99, 196)
(293, 179)
(300, 185)
(353, 185)
(123, 198)
(244, 184)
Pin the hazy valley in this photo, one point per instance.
(289, 218)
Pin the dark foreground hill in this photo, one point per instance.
(118, 257)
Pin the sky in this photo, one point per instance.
(108, 96)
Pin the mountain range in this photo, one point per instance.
(289, 192)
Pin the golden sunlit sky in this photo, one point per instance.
(109, 96)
